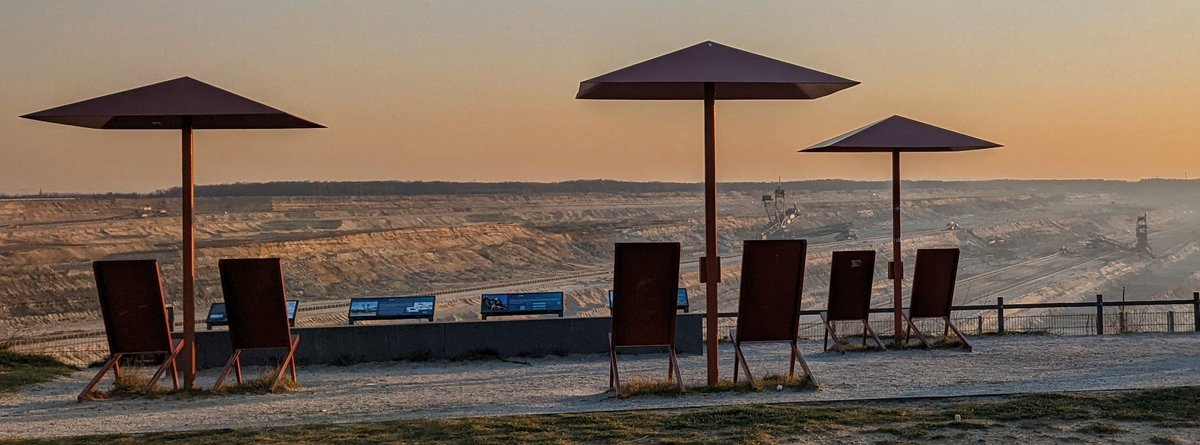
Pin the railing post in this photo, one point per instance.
(1000, 315)
(979, 328)
(1170, 322)
(1196, 311)
(1099, 314)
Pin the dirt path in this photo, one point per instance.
(397, 390)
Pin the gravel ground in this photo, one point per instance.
(398, 390)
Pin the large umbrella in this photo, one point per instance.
(899, 134)
(184, 104)
(710, 71)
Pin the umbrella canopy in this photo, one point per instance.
(737, 75)
(710, 71)
(164, 105)
(182, 104)
(898, 134)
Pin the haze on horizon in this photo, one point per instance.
(484, 91)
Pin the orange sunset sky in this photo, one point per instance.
(484, 90)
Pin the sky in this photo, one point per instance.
(484, 90)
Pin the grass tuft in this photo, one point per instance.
(646, 387)
(18, 370)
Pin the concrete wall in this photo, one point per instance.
(423, 340)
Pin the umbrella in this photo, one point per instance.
(183, 104)
(710, 71)
(899, 134)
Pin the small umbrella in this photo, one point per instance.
(899, 134)
(710, 71)
(184, 104)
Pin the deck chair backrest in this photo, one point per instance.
(850, 279)
(255, 303)
(772, 281)
(933, 282)
(645, 284)
(132, 304)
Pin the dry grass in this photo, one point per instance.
(919, 421)
(133, 383)
(772, 382)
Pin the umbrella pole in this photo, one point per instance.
(712, 262)
(189, 258)
(897, 271)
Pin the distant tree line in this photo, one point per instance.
(409, 188)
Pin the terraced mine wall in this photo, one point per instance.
(447, 340)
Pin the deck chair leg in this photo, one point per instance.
(170, 361)
(736, 356)
(804, 366)
(831, 332)
(112, 362)
(117, 369)
(292, 360)
(792, 361)
(225, 372)
(614, 376)
(287, 361)
(961, 337)
(237, 367)
(912, 327)
(678, 375)
(876, 337)
(864, 333)
(737, 352)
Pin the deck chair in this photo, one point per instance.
(135, 318)
(769, 302)
(850, 278)
(256, 306)
(933, 292)
(645, 284)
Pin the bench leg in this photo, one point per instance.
(110, 364)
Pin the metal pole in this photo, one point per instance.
(1000, 315)
(1099, 314)
(897, 266)
(1196, 311)
(189, 259)
(1170, 322)
(712, 262)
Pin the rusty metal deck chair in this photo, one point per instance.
(850, 279)
(256, 304)
(645, 285)
(933, 292)
(769, 302)
(135, 318)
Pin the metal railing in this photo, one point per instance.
(994, 318)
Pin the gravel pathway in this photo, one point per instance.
(399, 390)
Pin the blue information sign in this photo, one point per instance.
(218, 317)
(491, 305)
(392, 308)
(681, 299)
